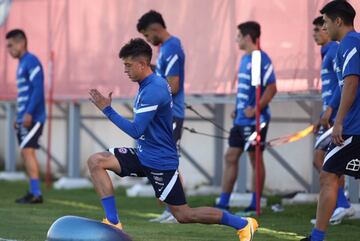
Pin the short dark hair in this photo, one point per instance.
(136, 48)
(16, 33)
(319, 21)
(250, 28)
(149, 18)
(340, 9)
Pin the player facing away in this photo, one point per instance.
(244, 114)
(343, 156)
(30, 109)
(171, 66)
(155, 156)
(330, 98)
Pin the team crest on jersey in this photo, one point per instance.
(353, 165)
(122, 150)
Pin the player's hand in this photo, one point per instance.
(27, 120)
(336, 135)
(233, 114)
(99, 100)
(249, 112)
(324, 120)
(15, 125)
(316, 126)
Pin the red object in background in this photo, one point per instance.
(48, 178)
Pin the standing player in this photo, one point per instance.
(343, 156)
(244, 114)
(156, 155)
(330, 98)
(30, 109)
(170, 65)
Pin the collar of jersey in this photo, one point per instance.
(24, 56)
(326, 47)
(147, 80)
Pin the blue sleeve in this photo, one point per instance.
(142, 116)
(36, 77)
(171, 57)
(335, 99)
(351, 64)
(268, 70)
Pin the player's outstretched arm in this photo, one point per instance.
(137, 127)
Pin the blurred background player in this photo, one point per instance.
(30, 109)
(330, 98)
(343, 156)
(156, 155)
(171, 66)
(244, 114)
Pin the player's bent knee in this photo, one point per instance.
(94, 162)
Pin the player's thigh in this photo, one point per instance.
(232, 155)
(28, 153)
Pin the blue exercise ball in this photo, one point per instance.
(72, 228)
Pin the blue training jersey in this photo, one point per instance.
(348, 63)
(329, 79)
(152, 124)
(247, 93)
(30, 84)
(171, 62)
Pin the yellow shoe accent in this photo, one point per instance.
(118, 225)
(247, 233)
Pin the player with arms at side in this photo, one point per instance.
(31, 112)
(343, 156)
(171, 66)
(244, 114)
(331, 100)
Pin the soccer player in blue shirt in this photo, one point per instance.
(171, 66)
(343, 156)
(244, 114)
(330, 97)
(30, 109)
(155, 156)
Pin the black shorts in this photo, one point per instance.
(239, 136)
(344, 159)
(29, 137)
(166, 183)
(323, 139)
(177, 129)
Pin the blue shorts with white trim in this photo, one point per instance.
(166, 183)
(29, 137)
(345, 159)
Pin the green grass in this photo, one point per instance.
(31, 222)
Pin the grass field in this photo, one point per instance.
(31, 222)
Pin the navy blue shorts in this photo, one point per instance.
(239, 136)
(344, 159)
(166, 183)
(29, 137)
